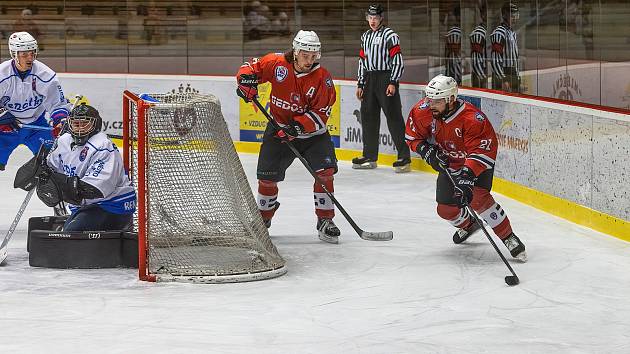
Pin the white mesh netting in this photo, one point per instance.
(202, 221)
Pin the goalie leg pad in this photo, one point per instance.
(324, 206)
(93, 217)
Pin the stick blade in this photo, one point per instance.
(3, 254)
(377, 236)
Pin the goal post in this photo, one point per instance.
(196, 217)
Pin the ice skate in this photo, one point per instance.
(328, 231)
(402, 165)
(268, 221)
(363, 163)
(462, 235)
(516, 247)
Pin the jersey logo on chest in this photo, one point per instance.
(83, 153)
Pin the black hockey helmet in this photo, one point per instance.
(375, 10)
(83, 122)
(509, 10)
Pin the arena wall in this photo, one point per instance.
(569, 160)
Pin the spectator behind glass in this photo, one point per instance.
(26, 24)
(280, 24)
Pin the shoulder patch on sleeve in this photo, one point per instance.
(329, 82)
(480, 117)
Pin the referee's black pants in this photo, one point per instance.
(374, 99)
(511, 76)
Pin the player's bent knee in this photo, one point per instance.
(447, 212)
(267, 183)
(327, 173)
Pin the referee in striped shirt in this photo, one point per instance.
(478, 56)
(504, 55)
(380, 69)
(453, 54)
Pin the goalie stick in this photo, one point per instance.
(510, 280)
(5, 243)
(366, 235)
(4, 247)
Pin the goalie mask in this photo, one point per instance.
(83, 122)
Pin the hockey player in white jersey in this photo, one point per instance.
(28, 90)
(85, 169)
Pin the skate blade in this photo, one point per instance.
(364, 166)
(329, 239)
(402, 169)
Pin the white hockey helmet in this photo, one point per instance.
(21, 42)
(307, 41)
(442, 86)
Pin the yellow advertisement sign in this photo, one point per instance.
(253, 123)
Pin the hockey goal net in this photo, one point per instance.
(197, 220)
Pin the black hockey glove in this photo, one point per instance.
(247, 87)
(434, 156)
(291, 130)
(464, 184)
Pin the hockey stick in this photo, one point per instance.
(5, 243)
(510, 280)
(366, 235)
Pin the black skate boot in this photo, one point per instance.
(328, 231)
(516, 247)
(363, 163)
(402, 165)
(268, 221)
(1, 167)
(462, 235)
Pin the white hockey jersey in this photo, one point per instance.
(100, 164)
(38, 93)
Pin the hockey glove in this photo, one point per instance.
(6, 117)
(8, 122)
(247, 87)
(434, 156)
(9, 128)
(291, 130)
(58, 121)
(464, 184)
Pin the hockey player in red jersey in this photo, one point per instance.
(450, 133)
(302, 96)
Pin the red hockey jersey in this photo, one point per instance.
(304, 97)
(466, 135)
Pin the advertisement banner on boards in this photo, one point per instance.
(252, 123)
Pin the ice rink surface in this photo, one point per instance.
(419, 293)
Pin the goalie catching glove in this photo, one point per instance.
(247, 87)
(54, 187)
